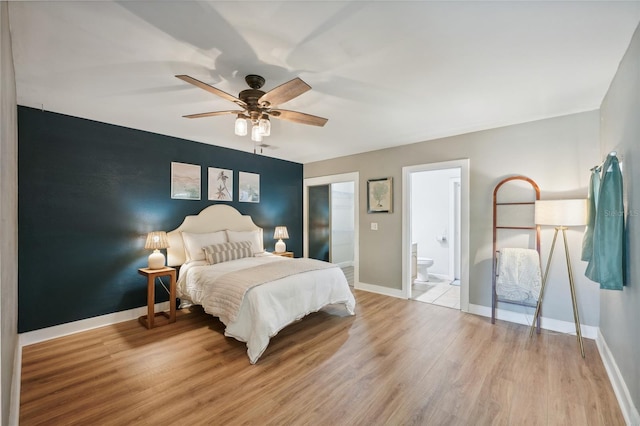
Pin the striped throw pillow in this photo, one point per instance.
(223, 252)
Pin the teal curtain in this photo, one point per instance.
(607, 259)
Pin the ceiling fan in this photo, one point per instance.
(257, 105)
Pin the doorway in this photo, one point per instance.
(436, 233)
(330, 220)
(434, 246)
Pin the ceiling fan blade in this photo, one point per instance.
(211, 89)
(285, 92)
(212, 114)
(298, 117)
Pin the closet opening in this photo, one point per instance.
(330, 221)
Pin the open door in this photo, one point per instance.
(319, 224)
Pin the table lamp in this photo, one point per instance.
(281, 233)
(156, 240)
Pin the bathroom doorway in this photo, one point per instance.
(435, 233)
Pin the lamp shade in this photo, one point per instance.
(265, 125)
(561, 212)
(241, 125)
(157, 240)
(281, 232)
(256, 133)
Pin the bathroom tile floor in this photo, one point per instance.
(437, 291)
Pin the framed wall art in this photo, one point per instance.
(185, 181)
(249, 187)
(220, 184)
(380, 195)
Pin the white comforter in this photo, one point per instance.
(268, 308)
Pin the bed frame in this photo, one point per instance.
(217, 217)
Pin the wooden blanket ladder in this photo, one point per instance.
(513, 226)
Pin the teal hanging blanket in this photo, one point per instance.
(592, 203)
(606, 265)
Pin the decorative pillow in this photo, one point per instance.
(224, 252)
(252, 236)
(194, 243)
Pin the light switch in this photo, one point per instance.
(374, 226)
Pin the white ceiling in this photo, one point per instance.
(384, 73)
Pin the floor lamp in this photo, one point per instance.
(561, 214)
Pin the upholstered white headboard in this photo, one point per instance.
(217, 217)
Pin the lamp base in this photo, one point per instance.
(156, 260)
(572, 287)
(281, 247)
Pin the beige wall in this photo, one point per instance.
(620, 130)
(8, 216)
(557, 153)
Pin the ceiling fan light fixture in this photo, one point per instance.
(241, 125)
(256, 133)
(265, 125)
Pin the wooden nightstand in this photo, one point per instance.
(151, 274)
(284, 254)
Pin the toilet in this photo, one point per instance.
(424, 263)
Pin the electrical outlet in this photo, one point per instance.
(374, 226)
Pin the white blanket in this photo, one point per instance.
(227, 291)
(266, 308)
(518, 275)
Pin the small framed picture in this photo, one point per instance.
(220, 184)
(185, 181)
(380, 195)
(248, 187)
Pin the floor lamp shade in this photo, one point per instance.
(561, 212)
(155, 241)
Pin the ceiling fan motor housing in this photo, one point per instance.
(250, 97)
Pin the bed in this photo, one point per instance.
(223, 267)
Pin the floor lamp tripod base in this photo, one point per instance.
(576, 316)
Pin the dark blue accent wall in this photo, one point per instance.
(88, 194)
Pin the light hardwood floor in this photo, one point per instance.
(397, 362)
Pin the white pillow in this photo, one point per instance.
(254, 237)
(194, 243)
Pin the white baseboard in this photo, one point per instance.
(566, 327)
(444, 277)
(629, 410)
(386, 291)
(14, 407)
(49, 333)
